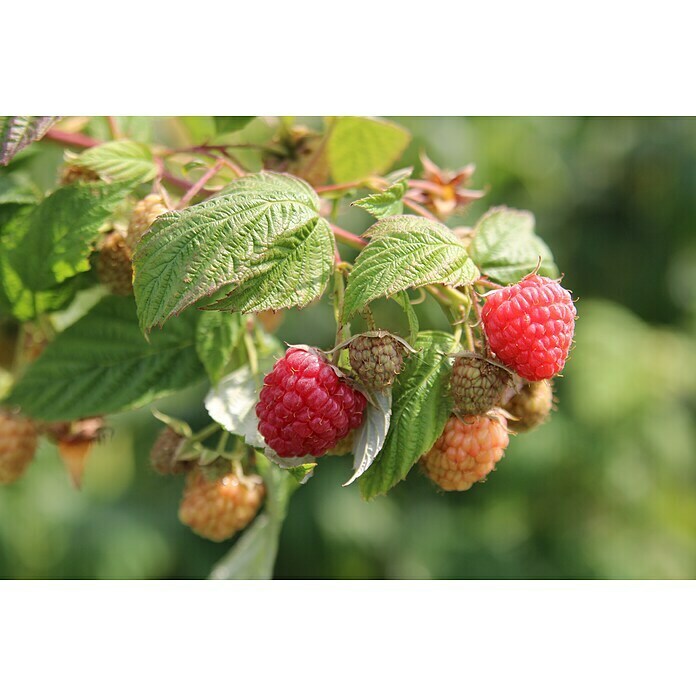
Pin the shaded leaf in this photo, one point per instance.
(17, 188)
(103, 364)
(230, 124)
(217, 336)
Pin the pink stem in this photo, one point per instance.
(348, 238)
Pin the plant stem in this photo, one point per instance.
(74, 139)
(198, 186)
(489, 284)
(113, 127)
(205, 432)
(339, 293)
(348, 238)
(419, 209)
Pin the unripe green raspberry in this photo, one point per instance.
(477, 384)
(376, 358)
(530, 407)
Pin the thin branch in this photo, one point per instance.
(419, 209)
(348, 238)
(114, 128)
(198, 186)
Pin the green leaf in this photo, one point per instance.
(506, 248)
(230, 124)
(360, 147)
(15, 296)
(404, 301)
(103, 364)
(421, 407)
(17, 188)
(406, 251)
(119, 160)
(253, 555)
(217, 336)
(237, 237)
(60, 233)
(387, 202)
(16, 132)
(295, 272)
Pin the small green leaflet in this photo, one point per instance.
(16, 132)
(360, 147)
(253, 555)
(58, 236)
(120, 160)
(103, 364)
(404, 252)
(421, 407)
(387, 202)
(506, 248)
(231, 124)
(217, 336)
(258, 227)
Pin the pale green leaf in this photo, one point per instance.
(18, 189)
(119, 160)
(59, 235)
(217, 336)
(360, 147)
(103, 364)
(16, 132)
(404, 252)
(421, 407)
(506, 248)
(226, 241)
(387, 202)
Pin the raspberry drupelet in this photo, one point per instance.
(304, 407)
(530, 325)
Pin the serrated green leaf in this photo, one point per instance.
(421, 407)
(119, 160)
(387, 202)
(60, 233)
(404, 252)
(103, 364)
(217, 336)
(360, 147)
(16, 132)
(226, 241)
(15, 297)
(16, 188)
(506, 248)
(294, 272)
(231, 124)
(253, 555)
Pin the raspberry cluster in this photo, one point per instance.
(466, 452)
(530, 325)
(304, 407)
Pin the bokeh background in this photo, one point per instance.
(606, 489)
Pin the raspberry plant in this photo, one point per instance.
(147, 267)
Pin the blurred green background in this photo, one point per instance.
(606, 489)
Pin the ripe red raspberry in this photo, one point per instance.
(531, 406)
(530, 326)
(304, 407)
(376, 359)
(218, 508)
(466, 452)
(477, 384)
(18, 441)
